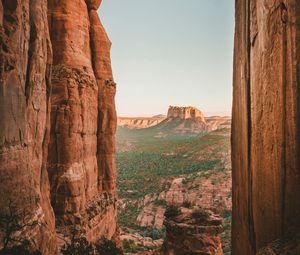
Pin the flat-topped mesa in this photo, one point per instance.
(188, 112)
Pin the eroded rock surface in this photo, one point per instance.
(265, 130)
(188, 112)
(83, 119)
(139, 122)
(81, 156)
(192, 231)
(25, 67)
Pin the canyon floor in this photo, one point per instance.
(156, 171)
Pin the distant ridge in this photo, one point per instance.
(179, 120)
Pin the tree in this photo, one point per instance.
(78, 246)
(12, 223)
(107, 247)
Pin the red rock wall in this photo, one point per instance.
(83, 117)
(25, 66)
(265, 129)
(73, 147)
(75, 84)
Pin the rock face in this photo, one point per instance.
(81, 160)
(76, 175)
(216, 122)
(183, 190)
(265, 130)
(25, 67)
(188, 112)
(182, 121)
(139, 122)
(192, 232)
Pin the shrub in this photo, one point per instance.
(187, 204)
(107, 247)
(226, 214)
(160, 202)
(172, 211)
(129, 245)
(21, 249)
(78, 246)
(155, 233)
(200, 215)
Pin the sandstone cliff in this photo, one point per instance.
(188, 112)
(78, 90)
(139, 122)
(265, 130)
(81, 153)
(25, 68)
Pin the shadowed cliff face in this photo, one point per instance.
(80, 159)
(25, 67)
(265, 130)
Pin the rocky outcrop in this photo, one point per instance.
(192, 231)
(290, 244)
(188, 112)
(216, 122)
(25, 68)
(182, 121)
(216, 187)
(77, 174)
(139, 122)
(81, 160)
(266, 127)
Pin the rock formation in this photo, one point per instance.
(81, 153)
(266, 127)
(192, 231)
(188, 112)
(81, 156)
(216, 122)
(25, 68)
(139, 122)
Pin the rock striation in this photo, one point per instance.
(192, 231)
(184, 113)
(25, 85)
(58, 120)
(139, 122)
(182, 121)
(81, 161)
(265, 125)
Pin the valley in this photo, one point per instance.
(171, 164)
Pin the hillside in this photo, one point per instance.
(157, 171)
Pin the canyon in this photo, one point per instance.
(58, 123)
(189, 171)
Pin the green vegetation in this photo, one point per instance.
(155, 234)
(187, 204)
(226, 235)
(200, 215)
(160, 202)
(80, 246)
(129, 246)
(172, 211)
(149, 159)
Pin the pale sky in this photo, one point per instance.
(171, 52)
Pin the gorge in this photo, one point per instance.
(58, 123)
